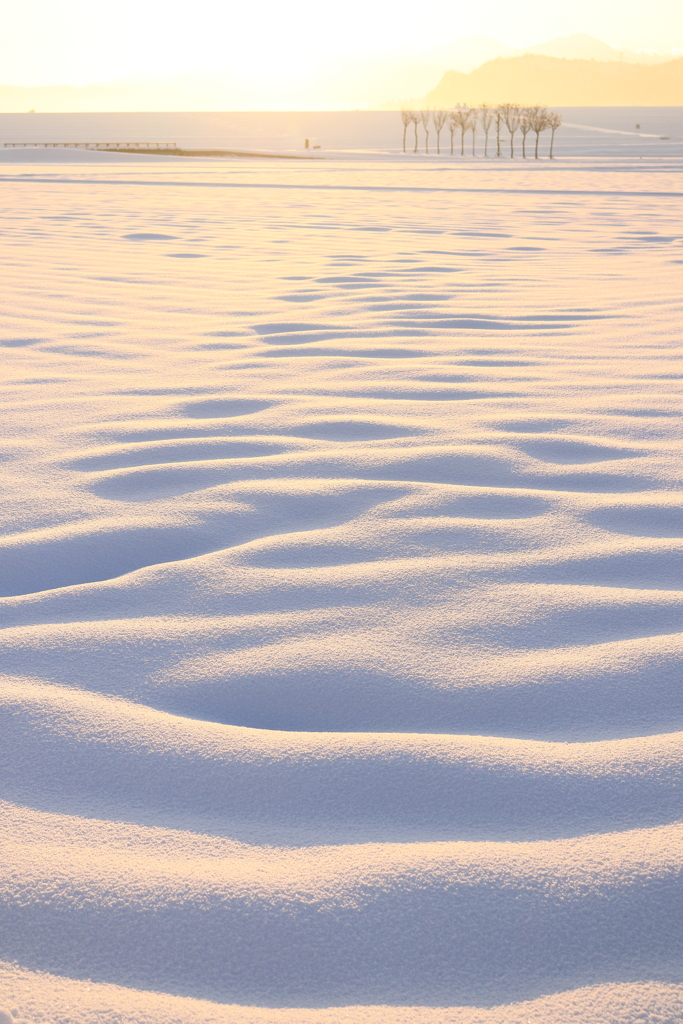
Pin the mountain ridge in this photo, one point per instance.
(384, 81)
(563, 82)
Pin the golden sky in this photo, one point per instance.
(82, 41)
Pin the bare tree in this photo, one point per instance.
(439, 119)
(415, 118)
(425, 117)
(470, 119)
(462, 118)
(406, 118)
(539, 123)
(554, 122)
(512, 113)
(486, 116)
(453, 122)
(515, 118)
(525, 125)
(499, 124)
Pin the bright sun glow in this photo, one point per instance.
(81, 41)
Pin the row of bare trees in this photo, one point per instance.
(492, 120)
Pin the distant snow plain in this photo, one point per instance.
(626, 132)
(341, 570)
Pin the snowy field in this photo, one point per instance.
(626, 132)
(341, 576)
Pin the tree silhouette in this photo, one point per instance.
(439, 119)
(425, 117)
(499, 124)
(486, 116)
(554, 122)
(525, 125)
(415, 118)
(406, 117)
(515, 118)
(539, 123)
(512, 114)
(452, 124)
(462, 118)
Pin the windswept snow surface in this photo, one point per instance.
(341, 576)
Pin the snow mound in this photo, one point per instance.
(340, 587)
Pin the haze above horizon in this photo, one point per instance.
(273, 54)
(390, 81)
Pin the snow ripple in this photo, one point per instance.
(341, 651)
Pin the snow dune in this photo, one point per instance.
(340, 585)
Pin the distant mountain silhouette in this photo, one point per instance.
(557, 81)
(472, 51)
(580, 46)
(387, 81)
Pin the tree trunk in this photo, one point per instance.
(486, 144)
(426, 141)
(552, 139)
(415, 150)
(405, 129)
(498, 153)
(524, 146)
(512, 145)
(536, 147)
(438, 142)
(462, 142)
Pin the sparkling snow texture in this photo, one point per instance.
(341, 576)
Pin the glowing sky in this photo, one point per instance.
(82, 41)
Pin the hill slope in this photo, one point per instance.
(534, 78)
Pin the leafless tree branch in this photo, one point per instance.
(486, 117)
(512, 114)
(554, 122)
(415, 118)
(406, 118)
(425, 117)
(439, 119)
